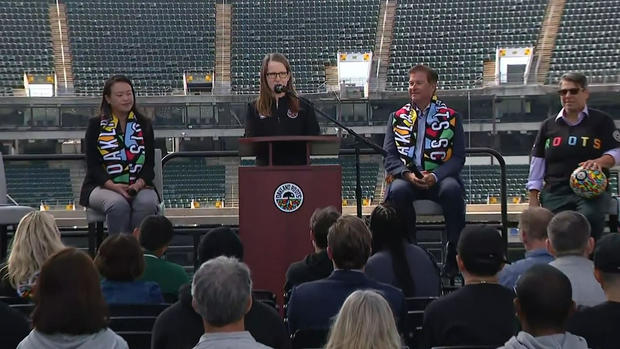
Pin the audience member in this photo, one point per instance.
(180, 327)
(397, 262)
(13, 326)
(155, 234)
(365, 321)
(316, 265)
(313, 304)
(222, 295)
(121, 262)
(544, 302)
(36, 238)
(600, 324)
(70, 311)
(570, 242)
(481, 312)
(533, 234)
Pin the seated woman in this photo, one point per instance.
(397, 262)
(36, 238)
(120, 262)
(119, 160)
(365, 321)
(69, 308)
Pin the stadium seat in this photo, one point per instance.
(309, 338)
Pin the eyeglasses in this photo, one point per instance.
(572, 91)
(281, 75)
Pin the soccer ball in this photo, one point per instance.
(588, 183)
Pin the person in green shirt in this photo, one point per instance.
(155, 234)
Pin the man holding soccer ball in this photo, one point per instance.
(577, 137)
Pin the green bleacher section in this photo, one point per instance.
(308, 32)
(152, 42)
(193, 179)
(588, 41)
(368, 176)
(25, 42)
(35, 183)
(455, 37)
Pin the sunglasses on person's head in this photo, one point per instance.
(572, 91)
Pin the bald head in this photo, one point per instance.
(534, 221)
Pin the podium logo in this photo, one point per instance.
(288, 197)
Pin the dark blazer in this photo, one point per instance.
(315, 266)
(451, 168)
(314, 304)
(96, 175)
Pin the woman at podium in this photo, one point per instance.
(279, 112)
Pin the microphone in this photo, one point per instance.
(280, 88)
(132, 192)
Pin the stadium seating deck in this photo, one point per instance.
(185, 181)
(35, 183)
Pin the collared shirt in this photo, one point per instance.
(223, 340)
(510, 274)
(537, 165)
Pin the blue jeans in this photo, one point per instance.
(448, 193)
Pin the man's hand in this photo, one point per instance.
(427, 180)
(533, 198)
(605, 161)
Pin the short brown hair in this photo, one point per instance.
(120, 258)
(350, 242)
(68, 297)
(534, 221)
(431, 75)
(575, 77)
(321, 220)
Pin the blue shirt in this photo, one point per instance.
(510, 274)
(131, 292)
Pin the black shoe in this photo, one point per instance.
(450, 269)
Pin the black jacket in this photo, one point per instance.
(314, 267)
(282, 122)
(96, 174)
(180, 327)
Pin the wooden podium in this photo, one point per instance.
(276, 202)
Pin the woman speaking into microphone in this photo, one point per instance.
(279, 112)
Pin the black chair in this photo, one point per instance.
(309, 338)
(467, 347)
(134, 322)
(14, 300)
(117, 310)
(415, 318)
(25, 309)
(136, 339)
(266, 297)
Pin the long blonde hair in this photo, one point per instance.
(36, 238)
(365, 321)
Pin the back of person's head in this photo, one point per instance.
(155, 232)
(320, 221)
(220, 241)
(222, 290)
(365, 321)
(120, 258)
(389, 234)
(68, 296)
(569, 233)
(534, 221)
(607, 261)
(349, 243)
(544, 298)
(481, 249)
(36, 238)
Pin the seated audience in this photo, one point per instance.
(155, 234)
(13, 326)
(570, 242)
(533, 234)
(317, 265)
(180, 327)
(600, 324)
(121, 262)
(543, 304)
(365, 321)
(36, 238)
(222, 293)
(481, 312)
(70, 311)
(397, 262)
(313, 304)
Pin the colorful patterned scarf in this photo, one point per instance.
(123, 154)
(438, 134)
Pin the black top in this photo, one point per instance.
(13, 327)
(478, 314)
(180, 327)
(563, 147)
(96, 175)
(599, 325)
(315, 266)
(282, 122)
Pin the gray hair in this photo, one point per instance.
(575, 77)
(221, 289)
(569, 232)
